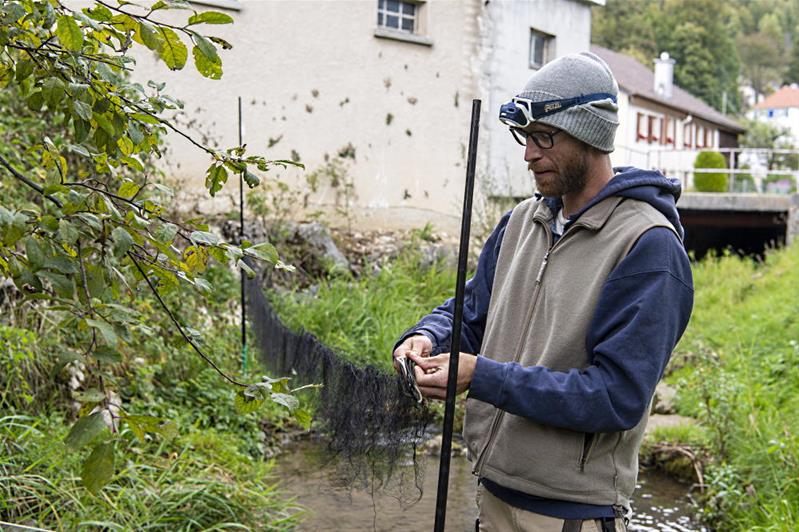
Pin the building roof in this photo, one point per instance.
(785, 97)
(636, 79)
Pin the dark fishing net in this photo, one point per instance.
(371, 427)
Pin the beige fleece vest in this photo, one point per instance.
(543, 299)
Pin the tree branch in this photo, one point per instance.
(180, 327)
(35, 186)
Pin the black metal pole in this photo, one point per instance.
(241, 237)
(455, 347)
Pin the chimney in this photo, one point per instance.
(664, 75)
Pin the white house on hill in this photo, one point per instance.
(781, 109)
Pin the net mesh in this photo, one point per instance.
(371, 427)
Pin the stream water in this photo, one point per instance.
(660, 502)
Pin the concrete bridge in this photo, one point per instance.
(748, 223)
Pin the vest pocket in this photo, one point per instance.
(589, 440)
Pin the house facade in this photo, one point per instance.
(372, 96)
(661, 125)
(780, 109)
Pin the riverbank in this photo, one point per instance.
(736, 372)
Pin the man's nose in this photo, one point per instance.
(531, 151)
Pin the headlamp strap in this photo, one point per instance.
(549, 107)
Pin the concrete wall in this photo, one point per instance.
(315, 75)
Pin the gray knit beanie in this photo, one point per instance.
(575, 75)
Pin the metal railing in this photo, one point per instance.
(749, 170)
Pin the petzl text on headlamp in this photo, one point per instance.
(521, 112)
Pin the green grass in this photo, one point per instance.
(198, 482)
(737, 371)
(362, 318)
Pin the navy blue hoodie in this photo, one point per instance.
(642, 312)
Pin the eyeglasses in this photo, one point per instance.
(543, 139)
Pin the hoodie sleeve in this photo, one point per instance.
(642, 312)
(438, 324)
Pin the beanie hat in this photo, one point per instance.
(576, 75)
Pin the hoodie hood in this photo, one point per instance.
(650, 186)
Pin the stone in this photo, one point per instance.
(318, 238)
(663, 402)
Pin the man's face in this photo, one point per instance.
(561, 169)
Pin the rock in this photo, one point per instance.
(664, 399)
(318, 238)
(667, 420)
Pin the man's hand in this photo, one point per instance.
(419, 345)
(432, 374)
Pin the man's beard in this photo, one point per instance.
(571, 178)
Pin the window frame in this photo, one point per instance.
(548, 41)
(417, 36)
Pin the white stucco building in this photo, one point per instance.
(780, 109)
(388, 82)
(661, 125)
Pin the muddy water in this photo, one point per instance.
(660, 503)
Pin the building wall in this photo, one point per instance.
(314, 75)
(507, 57)
(784, 118)
(315, 79)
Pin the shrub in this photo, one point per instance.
(710, 181)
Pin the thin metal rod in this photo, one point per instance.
(455, 345)
(241, 237)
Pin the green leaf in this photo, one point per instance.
(34, 252)
(67, 232)
(53, 90)
(64, 286)
(140, 425)
(128, 189)
(264, 251)
(205, 46)
(107, 354)
(147, 35)
(173, 52)
(246, 267)
(105, 328)
(203, 237)
(85, 430)
(98, 469)
(69, 33)
(125, 145)
(207, 60)
(251, 179)
(289, 401)
(92, 395)
(221, 42)
(165, 233)
(303, 417)
(250, 399)
(210, 17)
(216, 177)
(99, 13)
(122, 241)
(171, 4)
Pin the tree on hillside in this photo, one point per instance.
(695, 33)
(761, 63)
(85, 230)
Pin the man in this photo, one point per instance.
(579, 297)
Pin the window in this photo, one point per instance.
(397, 15)
(640, 130)
(541, 46)
(687, 135)
(654, 129)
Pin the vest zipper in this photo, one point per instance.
(478, 466)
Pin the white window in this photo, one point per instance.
(541, 48)
(397, 15)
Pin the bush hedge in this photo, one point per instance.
(710, 181)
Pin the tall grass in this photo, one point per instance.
(737, 371)
(362, 317)
(201, 482)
